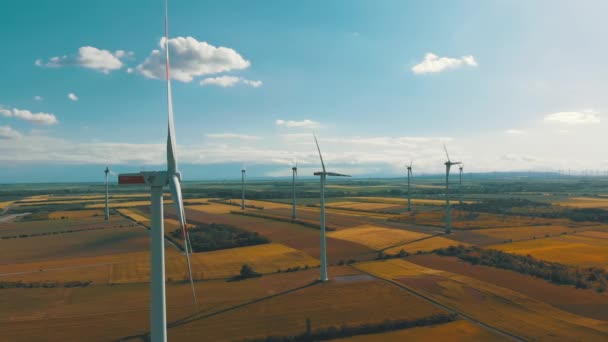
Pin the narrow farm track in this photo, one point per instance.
(448, 308)
(409, 242)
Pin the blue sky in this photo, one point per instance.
(507, 85)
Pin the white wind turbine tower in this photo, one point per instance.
(107, 212)
(448, 209)
(243, 173)
(323, 175)
(460, 183)
(294, 173)
(409, 195)
(157, 181)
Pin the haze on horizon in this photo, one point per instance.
(511, 86)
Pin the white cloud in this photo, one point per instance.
(573, 118)
(298, 124)
(232, 136)
(514, 132)
(36, 118)
(38, 98)
(6, 132)
(91, 58)
(72, 97)
(130, 70)
(433, 63)
(229, 81)
(191, 58)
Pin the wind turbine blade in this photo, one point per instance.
(319, 149)
(446, 152)
(171, 155)
(411, 161)
(176, 193)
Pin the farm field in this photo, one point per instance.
(459, 331)
(266, 258)
(496, 306)
(587, 303)
(376, 237)
(585, 202)
(523, 233)
(403, 201)
(424, 245)
(74, 214)
(580, 249)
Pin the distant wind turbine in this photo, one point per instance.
(243, 173)
(107, 211)
(294, 173)
(323, 175)
(409, 195)
(448, 210)
(157, 181)
(460, 184)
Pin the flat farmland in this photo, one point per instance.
(293, 235)
(74, 214)
(466, 220)
(403, 201)
(376, 237)
(496, 306)
(587, 303)
(327, 305)
(213, 208)
(71, 245)
(457, 331)
(108, 313)
(266, 258)
(365, 206)
(580, 249)
(522, 233)
(426, 245)
(585, 202)
(50, 226)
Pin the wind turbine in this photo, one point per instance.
(448, 210)
(460, 184)
(243, 172)
(107, 212)
(409, 196)
(294, 173)
(157, 180)
(323, 175)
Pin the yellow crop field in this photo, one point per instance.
(595, 234)
(267, 258)
(457, 331)
(124, 204)
(5, 204)
(425, 245)
(496, 306)
(520, 233)
(585, 202)
(360, 205)
(27, 204)
(581, 249)
(463, 220)
(134, 216)
(262, 204)
(75, 214)
(376, 237)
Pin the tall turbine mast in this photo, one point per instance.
(157, 180)
(448, 210)
(243, 172)
(323, 175)
(460, 184)
(409, 195)
(294, 173)
(107, 211)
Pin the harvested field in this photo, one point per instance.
(522, 233)
(376, 237)
(213, 208)
(457, 331)
(363, 206)
(77, 244)
(403, 201)
(267, 258)
(128, 204)
(578, 249)
(326, 305)
(587, 303)
(74, 214)
(585, 202)
(134, 216)
(494, 305)
(426, 245)
(47, 227)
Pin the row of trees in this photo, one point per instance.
(589, 277)
(44, 284)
